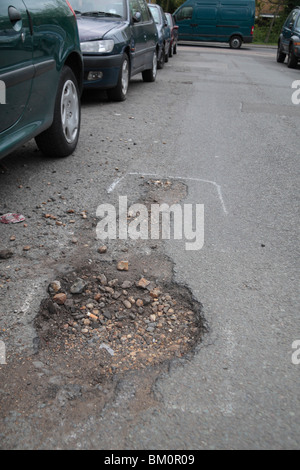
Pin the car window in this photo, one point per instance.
(185, 13)
(155, 14)
(135, 7)
(291, 19)
(297, 24)
(144, 10)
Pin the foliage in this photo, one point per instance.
(170, 5)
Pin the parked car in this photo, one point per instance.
(118, 40)
(41, 74)
(174, 34)
(289, 40)
(164, 33)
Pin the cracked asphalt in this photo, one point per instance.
(220, 129)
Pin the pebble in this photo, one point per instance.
(102, 249)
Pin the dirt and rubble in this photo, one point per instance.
(116, 315)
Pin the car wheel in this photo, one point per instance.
(119, 93)
(167, 55)
(292, 59)
(280, 57)
(235, 42)
(175, 49)
(150, 74)
(60, 140)
(161, 61)
(171, 50)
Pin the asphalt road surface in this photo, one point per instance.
(220, 128)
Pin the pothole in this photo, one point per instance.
(105, 322)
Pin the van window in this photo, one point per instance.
(185, 13)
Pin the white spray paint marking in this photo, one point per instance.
(115, 184)
(153, 175)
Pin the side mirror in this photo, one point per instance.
(137, 17)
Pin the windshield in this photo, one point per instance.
(98, 8)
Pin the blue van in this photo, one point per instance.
(229, 21)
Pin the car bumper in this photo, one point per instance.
(108, 66)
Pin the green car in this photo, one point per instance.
(41, 75)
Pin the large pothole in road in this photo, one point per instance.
(106, 322)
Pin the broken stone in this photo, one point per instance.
(156, 292)
(60, 298)
(54, 287)
(103, 279)
(122, 266)
(126, 285)
(143, 283)
(78, 287)
(139, 303)
(102, 249)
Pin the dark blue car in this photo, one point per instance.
(289, 40)
(164, 33)
(118, 40)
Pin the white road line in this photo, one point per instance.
(154, 175)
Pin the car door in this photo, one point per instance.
(149, 31)
(287, 30)
(139, 38)
(16, 67)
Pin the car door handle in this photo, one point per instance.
(14, 15)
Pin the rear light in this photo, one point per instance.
(252, 30)
(69, 5)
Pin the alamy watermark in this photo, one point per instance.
(2, 353)
(2, 92)
(296, 94)
(160, 222)
(296, 354)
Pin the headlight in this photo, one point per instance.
(97, 46)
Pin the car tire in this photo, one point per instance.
(161, 61)
(280, 57)
(171, 50)
(61, 139)
(150, 74)
(119, 93)
(292, 59)
(235, 42)
(167, 55)
(175, 49)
